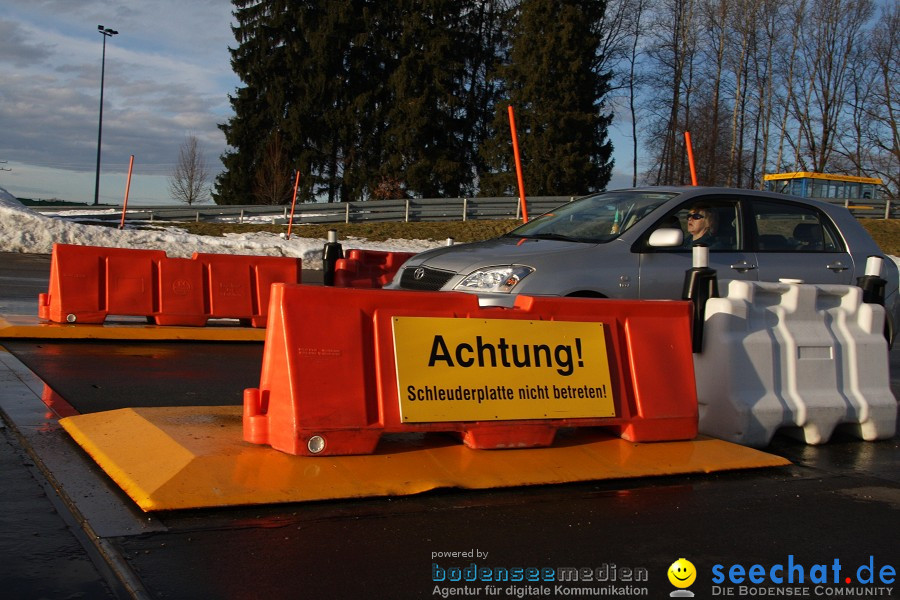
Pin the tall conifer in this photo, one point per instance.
(366, 95)
(557, 92)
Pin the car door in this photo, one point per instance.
(797, 241)
(662, 269)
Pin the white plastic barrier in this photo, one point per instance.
(806, 358)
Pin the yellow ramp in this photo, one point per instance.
(21, 326)
(193, 457)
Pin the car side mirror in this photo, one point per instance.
(666, 238)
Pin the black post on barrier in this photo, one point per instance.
(700, 284)
(331, 252)
(872, 283)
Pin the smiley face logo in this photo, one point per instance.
(682, 573)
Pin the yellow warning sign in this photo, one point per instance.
(497, 369)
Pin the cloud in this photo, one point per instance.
(167, 75)
(17, 49)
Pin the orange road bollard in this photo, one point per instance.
(518, 160)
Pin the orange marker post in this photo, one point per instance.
(515, 142)
(293, 204)
(127, 188)
(690, 153)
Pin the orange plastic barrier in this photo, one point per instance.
(238, 286)
(89, 283)
(370, 362)
(368, 268)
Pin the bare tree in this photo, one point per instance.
(743, 29)
(770, 86)
(620, 32)
(715, 19)
(637, 33)
(774, 14)
(852, 149)
(829, 58)
(789, 69)
(190, 181)
(671, 52)
(882, 108)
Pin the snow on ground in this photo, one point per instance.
(24, 230)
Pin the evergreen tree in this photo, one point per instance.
(326, 42)
(424, 137)
(257, 60)
(441, 95)
(368, 98)
(486, 25)
(553, 83)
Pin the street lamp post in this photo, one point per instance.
(105, 32)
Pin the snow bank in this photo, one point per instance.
(24, 230)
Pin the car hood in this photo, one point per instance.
(464, 258)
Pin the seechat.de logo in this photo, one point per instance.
(682, 574)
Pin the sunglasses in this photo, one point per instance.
(695, 216)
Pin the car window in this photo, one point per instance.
(781, 227)
(717, 224)
(594, 219)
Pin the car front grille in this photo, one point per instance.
(424, 278)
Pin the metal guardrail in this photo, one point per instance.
(427, 209)
(879, 209)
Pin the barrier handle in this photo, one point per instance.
(700, 284)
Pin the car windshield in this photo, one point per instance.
(594, 219)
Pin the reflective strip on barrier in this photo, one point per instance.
(807, 358)
(341, 367)
(88, 283)
(368, 268)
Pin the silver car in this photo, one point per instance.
(635, 243)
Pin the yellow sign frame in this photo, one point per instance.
(451, 369)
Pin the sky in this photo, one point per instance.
(168, 76)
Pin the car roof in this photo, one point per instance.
(688, 191)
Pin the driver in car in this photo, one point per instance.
(701, 226)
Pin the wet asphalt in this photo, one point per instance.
(838, 501)
(41, 555)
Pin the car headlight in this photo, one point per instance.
(494, 279)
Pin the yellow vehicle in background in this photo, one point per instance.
(855, 193)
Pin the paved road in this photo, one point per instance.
(41, 551)
(837, 501)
